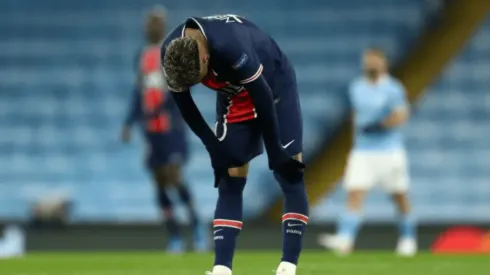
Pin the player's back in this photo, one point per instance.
(224, 32)
(371, 103)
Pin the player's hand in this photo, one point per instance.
(373, 128)
(126, 134)
(220, 161)
(291, 170)
(219, 175)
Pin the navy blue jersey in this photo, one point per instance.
(151, 106)
(240, 53)
(249, 72)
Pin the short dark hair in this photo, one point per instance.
(181, 63)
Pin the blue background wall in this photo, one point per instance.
(66, 74)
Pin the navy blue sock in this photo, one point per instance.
(186, 198)
(228, 220)
(166, 206)
(294, 220)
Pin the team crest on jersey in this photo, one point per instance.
(243, 59)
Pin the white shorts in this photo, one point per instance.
(388, 170)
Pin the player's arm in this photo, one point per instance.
(397, 117)
(398, 111)
(133, 114)
(248, 69)
(135, 110)
(194, 118)
(220, 160)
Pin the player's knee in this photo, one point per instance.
(173, 175)
(238, 172)
(160, 177)
(288, 187)
(401, 201)
(355, 199)
(298, 157)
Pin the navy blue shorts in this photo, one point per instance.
(166, 149)
(244, 139)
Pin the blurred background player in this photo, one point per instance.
(378, 157)
(165, 134)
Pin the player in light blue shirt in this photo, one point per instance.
(378, 156)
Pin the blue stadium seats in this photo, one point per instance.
(448, 144)
(66, 73)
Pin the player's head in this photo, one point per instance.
(185, 62)
(374, 62)
(155, 25)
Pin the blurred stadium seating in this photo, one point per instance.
(448, 144)
(66, 74)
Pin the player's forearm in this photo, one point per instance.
(194, 119)
(261, 95)
(396, 118)
(134, 108)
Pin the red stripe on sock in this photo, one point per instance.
(227, 223)
(295, 217)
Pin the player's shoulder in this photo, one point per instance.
(395, 83)
(175, 33)
(221, 30)
(357, 82)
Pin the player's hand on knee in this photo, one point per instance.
(219, 176)
(291, 170)
(220, 169)
(220, 161)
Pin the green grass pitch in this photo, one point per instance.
(246, 263)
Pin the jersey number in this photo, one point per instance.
(159, 121)
(228, 18)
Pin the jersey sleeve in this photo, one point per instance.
(248, 69)
(134, 111)
(398, 97)
(349, 95)
(243, 60)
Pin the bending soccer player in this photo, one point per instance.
(256, 99)
(165, 134)
(378, 157)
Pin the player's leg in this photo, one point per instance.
(296, 208)
(243, 141)
(358, 180)
(294, 221)
(397, 184)
(407, 243)
(174, 175)
(228, 217)
(175, 242)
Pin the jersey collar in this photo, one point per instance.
(382, 79)
(197, 23)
